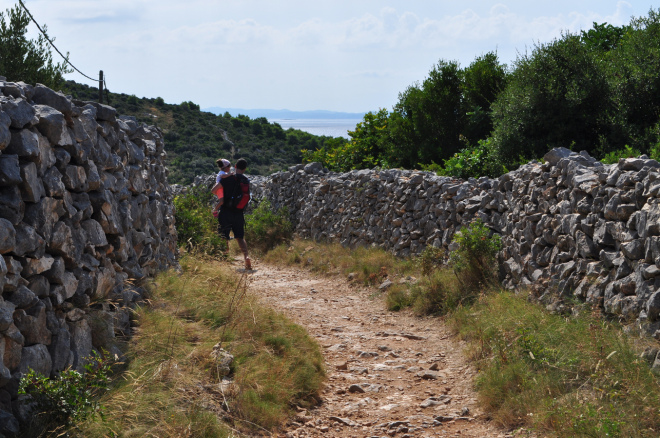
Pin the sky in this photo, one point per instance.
(337, 55)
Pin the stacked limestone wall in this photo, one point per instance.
(570, 226)
(85, 209)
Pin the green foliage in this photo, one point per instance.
(557, 95)
(634, 71)
(563, 376)
(474, 257)
(431, 258)
(266, 228)
(69, 398)
(196, 227)
(476, 161)
(27, 60)
(438, 293)
(614, 156)
(397, 298)
(481, 83)
(603, 37)
(427, 121)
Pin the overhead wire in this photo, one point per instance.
(66, 59)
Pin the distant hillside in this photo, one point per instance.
(194, 139)
(284, 113)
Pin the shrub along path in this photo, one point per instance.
(389, 373)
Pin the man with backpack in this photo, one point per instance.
(236, 193)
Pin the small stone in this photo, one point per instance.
(385, 284)
(427, 375)
(356, 389)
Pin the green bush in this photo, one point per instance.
(474, 258)
(437, 293)
(70, 398)
(196, 227)
(476, 161)
(431, 259)
(614, 156)
(266, 228)
(398, 298)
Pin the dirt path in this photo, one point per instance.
(389, 373)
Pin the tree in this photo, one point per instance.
(481, 83)
(27, 60)
(558, 95)
(635, 80)
(426, 122)
(603, 37)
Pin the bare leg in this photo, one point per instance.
(244, 249)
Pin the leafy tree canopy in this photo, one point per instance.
(23, 59)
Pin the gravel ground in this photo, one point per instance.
(389, 373)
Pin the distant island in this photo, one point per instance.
(284, 113)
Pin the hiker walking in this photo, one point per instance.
(236, 195)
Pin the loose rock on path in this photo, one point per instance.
(389, 373)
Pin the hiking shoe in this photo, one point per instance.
(248, 264)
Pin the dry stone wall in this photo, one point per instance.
(570, 227)
(85, 210)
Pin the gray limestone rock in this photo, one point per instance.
(56, 100)
(53, 126)
(52, 180)
(10, 170)
(32, 188)
(25, 144)
(223, 360)
(36, 266)
(557, 154)
(20, 112)
(12, 206)
(7, 237)
(104, 112)
(33, 327)
(39, 285)
(60, 349)
(81, 342)
(9, 425)
(28, 242)
(6, 315)
(23, 297)
(5, 133)
(37, 358)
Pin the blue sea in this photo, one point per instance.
(329, 127)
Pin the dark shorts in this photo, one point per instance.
(231, 220)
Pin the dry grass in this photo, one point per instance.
(562, 375)
(369, 266)
(171, 386)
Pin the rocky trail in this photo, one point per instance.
(389, 373)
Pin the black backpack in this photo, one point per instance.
(236, 191)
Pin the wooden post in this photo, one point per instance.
(100, 86)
